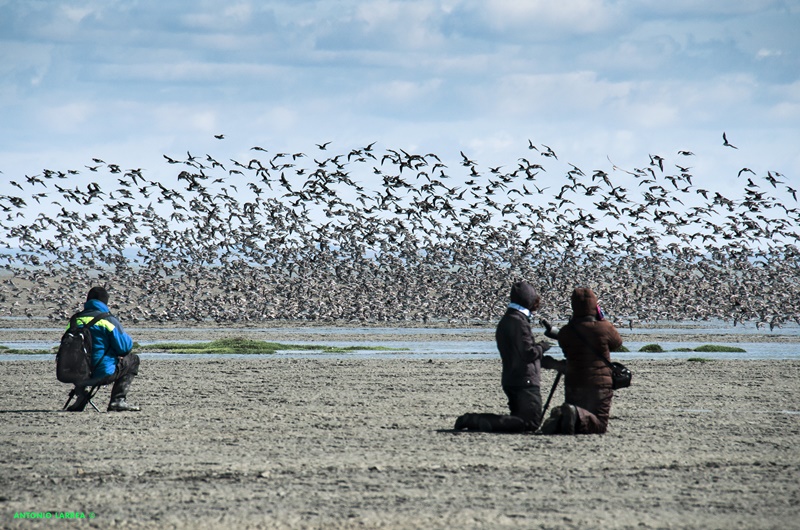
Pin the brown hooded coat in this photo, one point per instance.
(587, 378)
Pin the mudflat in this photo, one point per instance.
(28, 330)
(366, 443)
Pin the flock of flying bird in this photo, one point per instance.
(364, 236)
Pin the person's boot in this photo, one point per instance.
(121, 405)
(552, 425)
(82, 399)
(569, 418)
(465, 421)
(118, 393)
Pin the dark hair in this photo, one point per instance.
(98, 293)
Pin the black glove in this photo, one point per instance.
(544, 345)
(546, 324)
(549, 363)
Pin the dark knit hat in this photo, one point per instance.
(98, 293)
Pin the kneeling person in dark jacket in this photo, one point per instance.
(521, 358)
(111, 357)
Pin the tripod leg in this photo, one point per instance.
(92, 393)
(552, 391)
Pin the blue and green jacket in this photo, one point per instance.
(109, 340)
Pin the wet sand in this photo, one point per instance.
(364, 443)
(294, 331)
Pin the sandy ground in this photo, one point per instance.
(364, 443)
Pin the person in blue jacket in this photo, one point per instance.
(111, 354)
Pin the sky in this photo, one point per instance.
(599, 81)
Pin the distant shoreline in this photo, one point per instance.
(296, 331)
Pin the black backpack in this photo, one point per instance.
(74, 356)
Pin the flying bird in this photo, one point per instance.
(726, 143)
(549, 152)
(466, 161)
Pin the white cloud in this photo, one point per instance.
(693, 8)
(766, 54)
(405, 91)
(218, 17)
(191, 71)
(241, 12)
(67, 118)
(568, 93)
(540, 20)
(592, 76)
(76, 13)
(786, 111)
(178, 119)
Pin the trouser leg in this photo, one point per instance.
(466, 421)
(525, 405)
(127, 369)
(593, 409)
(121, 387)
(500, 423)
(489, 423)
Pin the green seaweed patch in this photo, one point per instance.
(621, 349)
(5, 350)
(698, 360)
(236, 345)
(707, 348)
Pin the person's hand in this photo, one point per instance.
(546, 324)
(544, 345)
(549, 363)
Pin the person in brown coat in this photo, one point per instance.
(587, 385)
